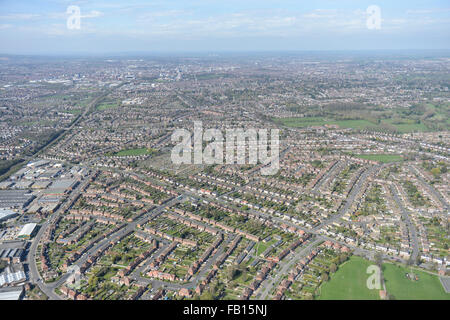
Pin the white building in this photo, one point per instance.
(27, 230)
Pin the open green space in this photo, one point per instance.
(349, 282)
(74, 111)
(107, 105)
(320, 121)
(382, 157)
(427, 287)
(400, 125)
(406, 125)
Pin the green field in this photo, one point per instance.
(319, 121)
(384, 158)
(74, 111)
(406, 125)
(105, 106)
(349, 282)
(401, 125)
(427, 287)
(134, 152)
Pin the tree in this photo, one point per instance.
(435, 171)
(343, 257)
(333, 268)
(378, 259)
(418, 261)
(233, 272)
(3, 265)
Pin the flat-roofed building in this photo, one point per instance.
(27, 231)
(6, 214)
(61, 186)
(12, 254)
(13, 293)
(41, 184)
(13, 275)
(37, 163)
(18, 199)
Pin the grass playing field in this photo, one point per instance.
(384, 158)
(105, 106)
(401, 125)
(349, 282)
(427, 287)
(319, 121)
(406, 125)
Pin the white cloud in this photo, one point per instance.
(19, 16)
(92, 14)
(427, 11)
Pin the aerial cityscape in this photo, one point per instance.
(268, 175)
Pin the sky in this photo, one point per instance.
(110, 26)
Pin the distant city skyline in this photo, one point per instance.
(30, 27)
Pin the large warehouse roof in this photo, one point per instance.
(6, 214)
(11, 293)
(27, 229)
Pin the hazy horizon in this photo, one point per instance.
(114, 27)
(307, 54)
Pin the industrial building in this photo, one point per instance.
(13, 293)
(27, 231)
(15, 199)
(12, 251)
(13, 275)
(6, 214)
